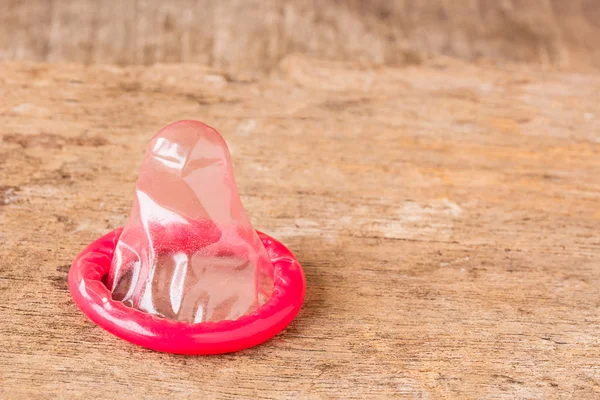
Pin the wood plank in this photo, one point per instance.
(254, 35)
(447, 218)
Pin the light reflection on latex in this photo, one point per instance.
(169, 153)
(178, 280)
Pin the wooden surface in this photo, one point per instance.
(256, 34)
(447, 217)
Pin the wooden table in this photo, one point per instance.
(447, 217)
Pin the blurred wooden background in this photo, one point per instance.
(255, 34)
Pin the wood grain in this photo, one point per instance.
(447, 218)
(254, 35)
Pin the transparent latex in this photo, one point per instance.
(188, 251)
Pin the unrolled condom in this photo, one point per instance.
(188, 251)
(188, 274)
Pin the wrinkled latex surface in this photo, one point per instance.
(188, 251)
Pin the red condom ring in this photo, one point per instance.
(93, 298)
(92, 267)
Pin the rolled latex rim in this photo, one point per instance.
(95, 300)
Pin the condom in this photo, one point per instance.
(188, 274)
